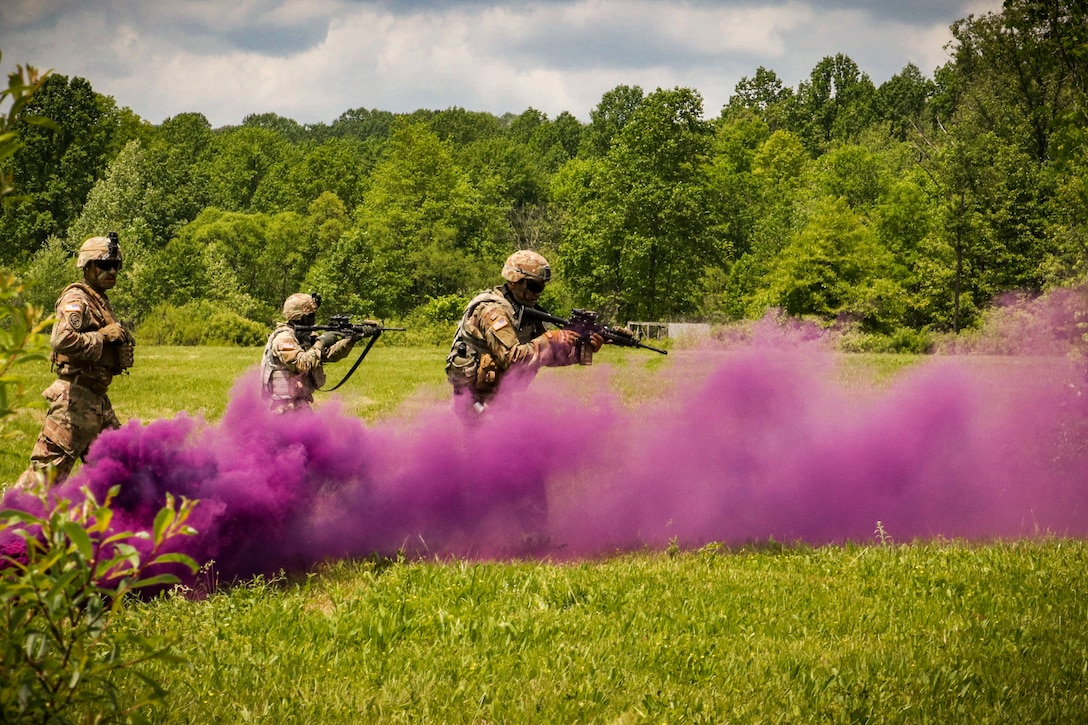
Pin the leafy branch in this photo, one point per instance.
(57, 595)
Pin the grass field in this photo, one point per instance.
(891, 632)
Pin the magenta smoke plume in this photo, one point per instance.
(739, 443)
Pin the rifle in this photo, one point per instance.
(584, 323)
(343, 325)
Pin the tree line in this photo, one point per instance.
(899, 208)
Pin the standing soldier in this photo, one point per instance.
(494, 338)
(292, 366)
(90, 347)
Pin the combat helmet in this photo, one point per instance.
(298, 306)
(526, 264)
(99, 249)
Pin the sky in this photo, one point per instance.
(312, 60)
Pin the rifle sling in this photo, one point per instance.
(359, 360)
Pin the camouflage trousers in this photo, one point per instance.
(76, 415)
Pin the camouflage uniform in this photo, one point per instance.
(85, 362)
(292, 369)
(494, 338)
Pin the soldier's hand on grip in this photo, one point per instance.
(595, 341)
(112, 332)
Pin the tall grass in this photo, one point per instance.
(937, 632)
(894, 633)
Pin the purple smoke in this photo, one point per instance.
(738, 442)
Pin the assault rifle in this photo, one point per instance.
(343, 325)
(584, 323)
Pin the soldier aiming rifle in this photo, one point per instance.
(502, 330)
(292, 366)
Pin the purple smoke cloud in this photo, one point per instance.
(740, 442)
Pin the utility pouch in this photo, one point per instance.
(461, 366)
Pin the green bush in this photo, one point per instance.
(903, 340)
(200, 323)
(432, 323)
(21, 341)
(61, 661)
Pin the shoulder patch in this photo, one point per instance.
(72, 313)
(499, 324)
(288, 344)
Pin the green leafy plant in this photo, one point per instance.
(22, 83)
(61, 661)
(21, 341)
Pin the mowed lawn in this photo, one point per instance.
(899, 632)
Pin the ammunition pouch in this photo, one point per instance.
(117, 357)
(462, 366)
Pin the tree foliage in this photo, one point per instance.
(971, 180)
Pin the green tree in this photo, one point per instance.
(903, 102)
(420, 231)
(835, 104)
(56, 164)
(288, 128)
(461, 127)
(779, 167)
(615, 109)
(643, 243)
(239, 160)
(23, 82)
(362, 124)
(339, 166)
(836, 269)
(765, 95)
(1020, 72)
(177, 176)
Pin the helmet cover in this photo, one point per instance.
(99, 249)
(526, 264)
(298, 306)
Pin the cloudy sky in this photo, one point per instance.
(311, 60)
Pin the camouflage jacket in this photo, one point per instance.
(493, 334)
(78, 347)
(291, 370)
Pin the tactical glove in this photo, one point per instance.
(112, 332)
(556, 347)
(595, 341)
(327, 339)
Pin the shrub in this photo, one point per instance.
(200, 323)
(21, 341)
(57, 595)
(903, 340)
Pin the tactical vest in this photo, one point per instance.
(115, 357)
(463, 361)
(278, 381)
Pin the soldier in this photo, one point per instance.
(292, 364)
(90, 347)
(494, 339)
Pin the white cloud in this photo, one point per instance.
(311, 60)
